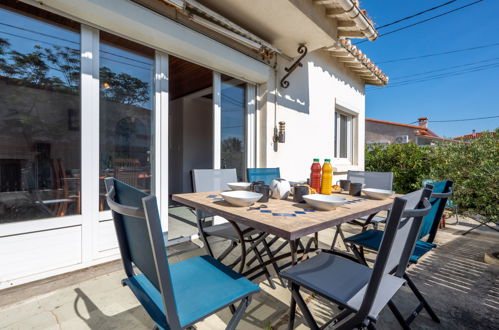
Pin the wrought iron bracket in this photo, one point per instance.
(303, 51)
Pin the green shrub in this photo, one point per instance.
(408, 162)
(472, 166)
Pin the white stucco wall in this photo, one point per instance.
(307, 106)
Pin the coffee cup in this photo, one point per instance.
(299, 192)
(355, 189)
(256, 183)
(265, 190)
(344, 184)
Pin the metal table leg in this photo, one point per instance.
(292, 245)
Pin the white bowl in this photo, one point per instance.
(324, 202)
(239, 185)
(241, 197)
(377, 193)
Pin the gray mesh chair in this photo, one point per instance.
(377, 180)
(178, 295)
(206, 180)
(362, 292)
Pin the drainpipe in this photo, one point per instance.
(357, 15)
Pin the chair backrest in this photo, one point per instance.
(213, 180)
(263, 174)
(377, 180)
(399, 240)
(441, 191)
(140, 238)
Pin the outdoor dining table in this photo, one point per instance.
(286, 219)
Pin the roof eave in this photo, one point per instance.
(344, 11)
(358, 63)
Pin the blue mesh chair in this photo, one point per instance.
(371, 239)
(360, 291)
(263, 174)
(450, 205)
(175, 296)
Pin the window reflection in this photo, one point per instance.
(233, 125)
(343, 136)
(39, 116)
(126, 105)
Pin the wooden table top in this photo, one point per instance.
(285, 218)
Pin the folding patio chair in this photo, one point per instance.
(377, 180)
(175, 296)
(206, 180)
(371, 239)
(360, 291)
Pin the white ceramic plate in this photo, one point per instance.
(241, 197)
(239, 185)
(324, 202)
(377, 193)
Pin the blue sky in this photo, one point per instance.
(464, 96)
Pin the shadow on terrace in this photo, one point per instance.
(462, 289)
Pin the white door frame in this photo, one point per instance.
(217, 119)
(89, 141)
(161, 137)
(250, 125)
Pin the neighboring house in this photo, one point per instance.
(469, 137)
(387, 132)
(147, 90)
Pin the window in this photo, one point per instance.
(40, 137)
(343, 128)
(126, 112)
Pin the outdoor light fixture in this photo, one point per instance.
(279, 134)
(282, 132)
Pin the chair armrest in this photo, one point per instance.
(418, 212)
(442, 195)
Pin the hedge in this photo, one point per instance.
(473, 166)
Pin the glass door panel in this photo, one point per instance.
(233, 125)
(40, 137)
(126, 113)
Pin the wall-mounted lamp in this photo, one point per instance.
(279, 134)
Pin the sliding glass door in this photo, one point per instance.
(77, 105)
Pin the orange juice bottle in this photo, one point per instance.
(327, 177)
